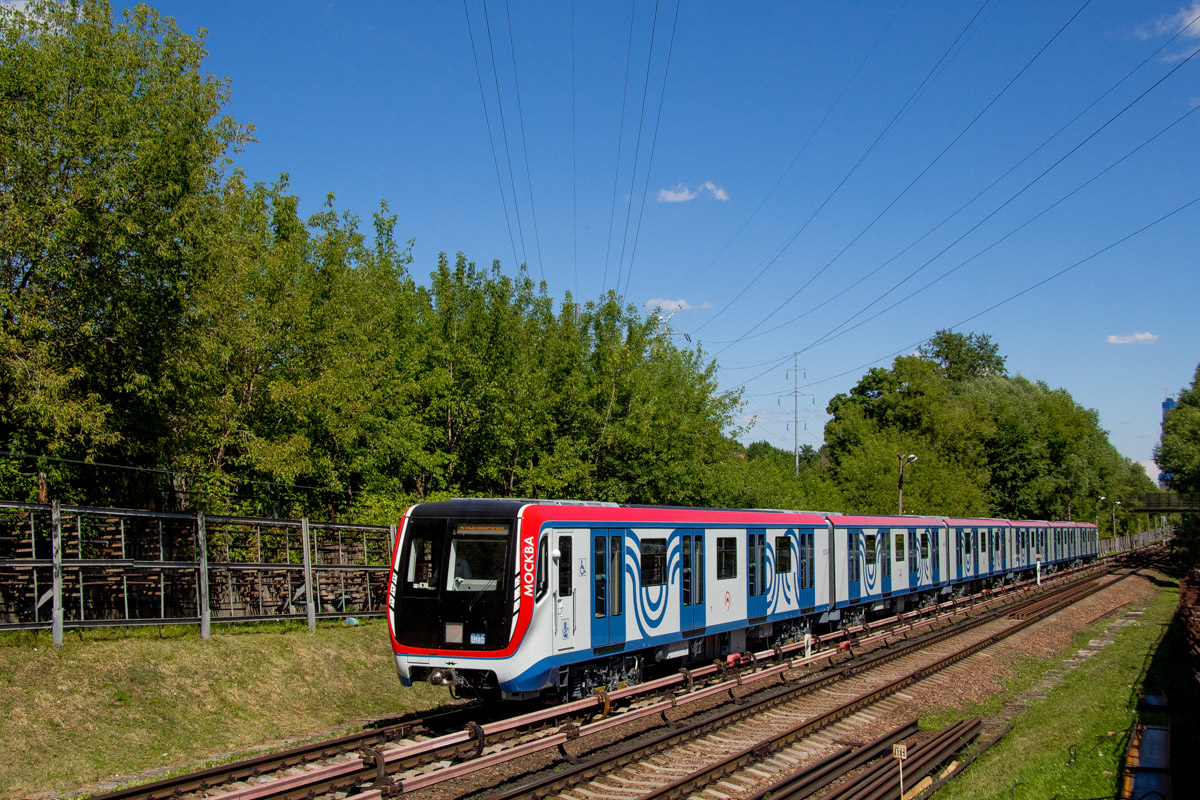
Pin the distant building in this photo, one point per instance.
(1164, 478)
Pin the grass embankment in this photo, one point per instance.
(1092, 709)
(123, 703)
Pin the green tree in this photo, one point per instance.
(962, 357)
(1178, 451)
(112, 146)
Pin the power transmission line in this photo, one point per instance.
(866, 153)
(821, 124)
(979, 194)
(612, 210)
(910, 348)
(491, 138)
(524, 147)
(504, 132)
(653, 145)
(923, 172)
(637, 145)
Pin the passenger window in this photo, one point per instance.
(654, 562)
(564, 567)
(783, 555)
(726, 558)
(616, 601)
(600, 575)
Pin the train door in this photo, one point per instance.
(914, 564)
(975, 553)
(757, 579)
(571, 566)
(691, 581)
(608, 587)
(853, 569)
(958, 554)
(935, 556)
(885, 561)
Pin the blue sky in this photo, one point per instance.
(791, 165)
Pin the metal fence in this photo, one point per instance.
(1119, 544)
(69, 566)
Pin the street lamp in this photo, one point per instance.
(900, 486)
(1115, 504)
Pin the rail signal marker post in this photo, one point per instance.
(900, 752)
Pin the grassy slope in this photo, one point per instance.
(118, 703)
(1092, 708)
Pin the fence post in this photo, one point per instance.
(308, 587)
(202, 545)
(56, 554)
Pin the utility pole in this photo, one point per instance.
(796, 410)
(904, 461)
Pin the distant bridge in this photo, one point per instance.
(1162, 503)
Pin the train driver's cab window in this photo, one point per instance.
(654, 562)
(543, 568)
(423, 563)
(478, 553)
(783, 555)
(726, 558)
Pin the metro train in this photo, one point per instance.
(514, 599)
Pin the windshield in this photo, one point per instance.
(478, 554)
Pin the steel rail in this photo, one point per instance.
(604, 764)
(470, 743)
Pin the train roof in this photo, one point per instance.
(580, 511)
(882, 521)
(977, 521)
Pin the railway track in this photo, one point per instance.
(792, 725)
(417, 754)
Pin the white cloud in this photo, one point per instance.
(681, 193)
(663, 304)
(720, 193)
(1145, 337)
(1186, 21)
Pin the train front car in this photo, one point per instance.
(461, 592)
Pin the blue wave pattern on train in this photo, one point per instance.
(520, 598)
